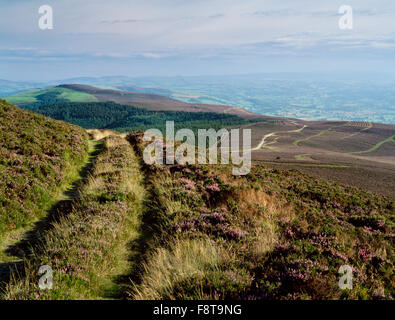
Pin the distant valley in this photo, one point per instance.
(369, 97)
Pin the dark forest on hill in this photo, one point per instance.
(123, 118)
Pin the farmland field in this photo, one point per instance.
(62, 93)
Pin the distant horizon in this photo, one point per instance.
(335, 75)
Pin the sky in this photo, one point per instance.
(193, 37)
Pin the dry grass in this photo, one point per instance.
(98, 134)
(266, 237)
(287, 234)
(191, 258)
(167, 267)
(265, 210)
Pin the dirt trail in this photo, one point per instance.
(261, 144)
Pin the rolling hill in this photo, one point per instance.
(126, 118)
(84, 93)
(42, 96)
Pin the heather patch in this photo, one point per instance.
(37, 155)
(287, 233)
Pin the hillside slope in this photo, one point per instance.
(50, 95)
(272, 234)
(36, 155)
(356, 153)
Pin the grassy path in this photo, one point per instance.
(376, 146)
(321, 133)
(87, 248)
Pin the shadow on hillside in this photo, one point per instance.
(35, 237)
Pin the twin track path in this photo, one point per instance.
(85, 237)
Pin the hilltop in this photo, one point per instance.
(150, 101)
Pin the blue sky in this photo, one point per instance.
(193, 37)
